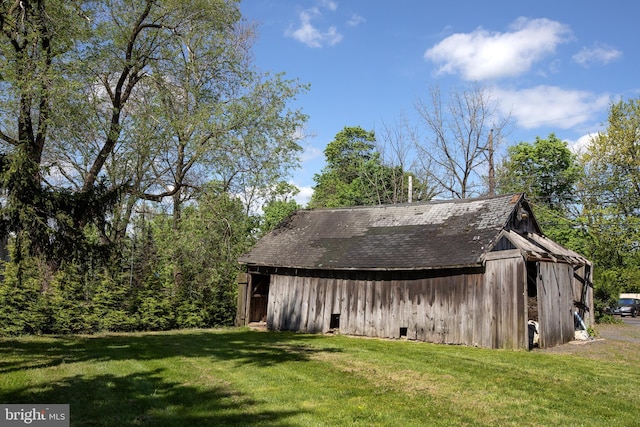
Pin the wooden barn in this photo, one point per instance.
(470, 272)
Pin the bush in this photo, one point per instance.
(69, 306)
(23, 310)
(607, 319)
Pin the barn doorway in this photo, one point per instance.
(532, 291)
(259, 297)
(533, 325)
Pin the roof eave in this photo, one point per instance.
(477, 264)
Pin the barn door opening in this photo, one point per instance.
(259, 297)
(533, 325)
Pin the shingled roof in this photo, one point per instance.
(437, 234)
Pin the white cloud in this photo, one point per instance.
(311, 153)
(330, 4)
(304, 196)
(482, 55)
(580, 145)
(550, 106)
(600, 54)
(355, 20)
(306, 32)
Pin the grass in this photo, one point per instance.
(243, 377)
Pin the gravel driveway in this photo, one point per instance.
(621, 341)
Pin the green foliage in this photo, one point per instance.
(562, 226)
(275, 212)
(546, 171)
(138, 290)
(189, 314)
(612, 163)
(22, 307)
(610, 190)
(68, 302)
(209, 240)
(151, 295)
(111, 306)
(33, 42)
(92, 125)
(279, 207)
(349, 157)
(155, 309)
(355, 174)
(603, 318)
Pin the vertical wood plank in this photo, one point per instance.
(273, 313)
(370, 307)
(345, 309)
(304, 304)
(385, 308)
(320, 304)
(286, 302)
(313, 294)
(392, 322)
(354, 297)
(361, 307)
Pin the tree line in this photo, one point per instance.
(135, 140)
(141, 152)
(587, 200)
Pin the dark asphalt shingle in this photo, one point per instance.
(390, 237)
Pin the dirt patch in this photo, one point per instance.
(622, 332)
(620, 342)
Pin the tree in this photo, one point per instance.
(547, 171)
(613, 159)
(460, 136)
(340, 183)
(211, 236)
(111, 103)
(610, 194)
(355, 174)
(279, 207)
(396, 146)
(108, 102)
(22, 307)
(36, 41)
(233, 129)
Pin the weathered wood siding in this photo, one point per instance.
(507, 280)
(583, 291)
(555, 303)
(477, 309)
(244, 300)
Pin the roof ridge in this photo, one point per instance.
(514, 196)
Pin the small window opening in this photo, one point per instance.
(403, 332)
(335, 321)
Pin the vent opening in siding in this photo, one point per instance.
(335, 321)
(403, 332)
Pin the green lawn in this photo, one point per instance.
(243, 377)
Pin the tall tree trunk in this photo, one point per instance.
(178, 277)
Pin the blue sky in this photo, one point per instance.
(554, 66)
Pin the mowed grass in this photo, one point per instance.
(244, 377)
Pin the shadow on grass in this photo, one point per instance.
(148, 399)
(241, 346)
